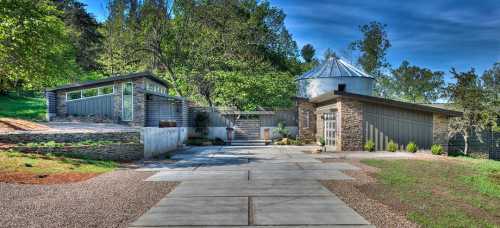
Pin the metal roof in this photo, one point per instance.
(334, 67)
(111, 79)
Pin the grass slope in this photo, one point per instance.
(22, 107)
(13, 162)
(461, 192)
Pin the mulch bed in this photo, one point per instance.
(113, 199)
(57, 178)
(354, 193)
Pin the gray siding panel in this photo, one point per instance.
(162, 108)
(382, 124)
(94, 106)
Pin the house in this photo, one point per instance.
(335, 102)
(138, 99)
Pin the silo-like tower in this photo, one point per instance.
(334, 74)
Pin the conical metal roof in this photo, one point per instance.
(334, 67)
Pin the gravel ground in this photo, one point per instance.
(110, 200)
(374, 211)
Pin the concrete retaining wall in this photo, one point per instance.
(162, 140)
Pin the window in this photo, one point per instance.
(105, 90)
(128, 101)
(155, 87)
(74, 95)
(89, 92)
(341, 88)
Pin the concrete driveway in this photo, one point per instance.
(249, 187)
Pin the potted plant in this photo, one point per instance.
(322, 142)
(282, 131)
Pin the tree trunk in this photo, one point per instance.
(466, 144)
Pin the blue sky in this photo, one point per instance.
(429, 33)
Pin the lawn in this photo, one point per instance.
(38, 168)
(459, 192)
(22, 107)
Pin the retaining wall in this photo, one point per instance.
(162, 140)
(70, 137)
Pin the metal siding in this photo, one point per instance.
(162, 108)
(94, 106)
(382, 124)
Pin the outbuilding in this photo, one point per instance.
(335, 102)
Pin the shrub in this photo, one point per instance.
(296, 142)
(282, 130)
(218, 141)
(322, 141)
(437, 149)
(411, 147)
(369, 146)
(197, 141)
(392, 146)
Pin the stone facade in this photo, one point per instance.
(440, 130)
(70, 137)
(116, 152)
(307, 120)
(349, 125)
(138, 101)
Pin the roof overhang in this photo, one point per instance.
(383, 101)
(111, 79)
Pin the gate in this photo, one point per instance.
(330, 126)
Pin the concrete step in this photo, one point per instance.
(248, 142)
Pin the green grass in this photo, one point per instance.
(22, 107)
(461, 192)
(11, 161)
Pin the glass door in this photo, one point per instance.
(329, 128)
(128, 101)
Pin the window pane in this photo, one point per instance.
(90, 93)
(127, 89)
(74, 95)
(106, 90)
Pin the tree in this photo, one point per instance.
(373, 48)
(416, 84)
(84, 33)
(468, 96)
(329, 53)
(308, 53)
(35, 48)
(491, 85)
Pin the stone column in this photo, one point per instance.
(440, 130)
(350, 129)
(306, 120)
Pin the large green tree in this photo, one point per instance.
(416, 84)
(35, 47)
(373, 48)
(308, 53)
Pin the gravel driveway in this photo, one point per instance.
(110, 200)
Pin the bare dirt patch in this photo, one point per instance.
(352, 192)
(9, 125)
(57, 178)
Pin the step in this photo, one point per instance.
(250, 142)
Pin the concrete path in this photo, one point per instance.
(249, 187)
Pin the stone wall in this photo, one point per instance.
(440, 130)
(70, 137)
(350, 125)
(307, 120)
(116, 152)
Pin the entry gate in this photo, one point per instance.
(330, 127)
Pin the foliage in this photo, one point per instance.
(468, 96)
(218, 141)
(307, 52)
(373, 48)
(411, 147)
(12, 161)
(35, 47)
(23, 107)
(437, 149)
(392, 146)
(201, 123)
(491, 87)
(416, 84)
(198, 141)
(441, 193)
(322, 141)
(369, 146)
(282, 130)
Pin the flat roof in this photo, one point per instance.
(384, 101)
(111, 79)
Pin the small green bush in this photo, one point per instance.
(411, 147)
(437, 149)
(369, 145)
(322, 141)
(296, 142)
(218, 142)
(392, 146)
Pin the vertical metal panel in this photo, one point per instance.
(384, 123)
(162, 108)
(94, 106)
